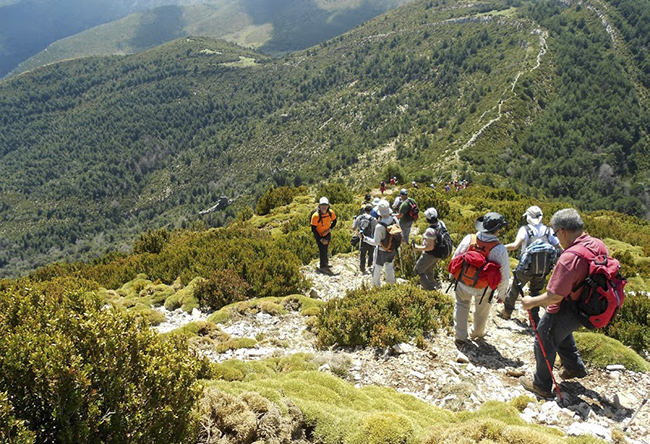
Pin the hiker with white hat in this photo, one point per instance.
(323, 219)
(532, 231)
(436, 245)
(386, 244)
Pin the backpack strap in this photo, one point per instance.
(585, 253)
(482, 247)
(529, 231)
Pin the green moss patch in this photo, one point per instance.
(334, 411)
(601, 351)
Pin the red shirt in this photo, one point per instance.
(572, 269)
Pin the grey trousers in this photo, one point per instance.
(536, 285)
(424, 267)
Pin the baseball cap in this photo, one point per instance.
(323, 201)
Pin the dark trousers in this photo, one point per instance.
(322, 250)
(556, 332)
(366, 251)
(522, 278)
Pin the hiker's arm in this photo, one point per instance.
(315, 231)
(516, 244)
(503, 260)
(543, 300)
(427, 245)
(333, 224)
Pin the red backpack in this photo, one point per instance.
(602, 291)
(472, 267)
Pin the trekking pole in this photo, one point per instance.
(635, 413)
(548, 364)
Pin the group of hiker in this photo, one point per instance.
(585, 288)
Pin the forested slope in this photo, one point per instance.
(532, 95)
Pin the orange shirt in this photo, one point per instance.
(322, 222)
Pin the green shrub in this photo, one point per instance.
(78, 372)
(336, 193)
(632, 325)
(153, 241)
(277, 197)
(222, 288)
(12, 430)
(383, 316)
(426, 198)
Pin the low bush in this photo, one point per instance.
(222, 288)
(632, 325)
(382, 317)
(78, 372)
(601, 351)
(336, 193)
(277, 197)
(426, 198)
(153, 241)
(12, 430)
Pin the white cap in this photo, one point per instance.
(431, 213)
(323, 201)
(534, 215)
(376, 201)
(430, 233)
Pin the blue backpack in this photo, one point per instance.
(540, 256)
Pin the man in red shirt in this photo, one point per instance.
(556, 328)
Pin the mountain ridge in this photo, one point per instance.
(152, 139)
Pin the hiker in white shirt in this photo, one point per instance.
(534, 229)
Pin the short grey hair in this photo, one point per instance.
(569, 219)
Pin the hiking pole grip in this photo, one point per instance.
(541, 346)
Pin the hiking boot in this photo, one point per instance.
(527, 383)
(460, 343)
(565, 374)
(504, 314)
(326, 270)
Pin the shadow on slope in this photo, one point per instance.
(290, 19)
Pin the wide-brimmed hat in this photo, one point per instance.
(533, 215)
(376, 201)
(490, 223)
(383, 209)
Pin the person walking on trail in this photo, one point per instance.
(425, 265)
(384, 256)
(382, 186)
(555, 329)
(527, 234)
(322, 222)
(365, 225)
(486, 240)
(406, 213)
(401, 197)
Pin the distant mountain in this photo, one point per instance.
(547, 98)
(27, 27)
(273, 27)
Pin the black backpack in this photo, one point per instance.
(444, 245)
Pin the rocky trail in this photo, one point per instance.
(442, 375)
